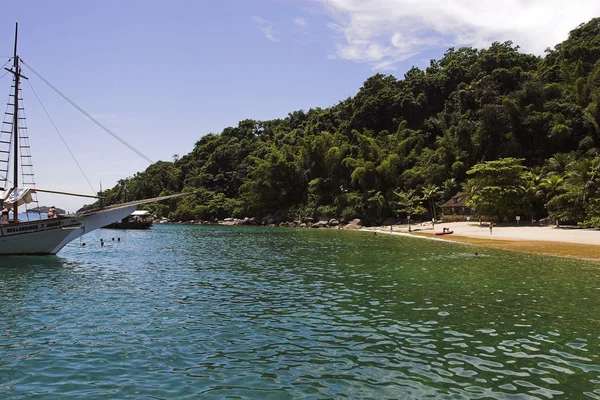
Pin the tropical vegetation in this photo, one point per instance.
(517, 133)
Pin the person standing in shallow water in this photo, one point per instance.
(491, 226)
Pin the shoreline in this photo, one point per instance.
(576, 243)
(581, 244)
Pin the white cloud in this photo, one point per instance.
(385, 32)
(266, 27)
(300, 21)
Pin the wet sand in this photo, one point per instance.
(550, 240)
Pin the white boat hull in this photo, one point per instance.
(49, 236)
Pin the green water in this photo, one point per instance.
(191, 312)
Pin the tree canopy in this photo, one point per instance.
(517, 132)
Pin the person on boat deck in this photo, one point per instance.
(4, 216)
(52, 212)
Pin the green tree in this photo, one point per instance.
(430, 194)
(585, 176)
(532, 194)
(495, 188)
(407, 204)
(406, 135)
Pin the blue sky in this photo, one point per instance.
(161, 74)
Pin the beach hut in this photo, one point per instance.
(456, 209)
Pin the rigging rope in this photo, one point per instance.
(7, 72)
(5, 178)
(61, 137)
(130, 147)
(100, 124)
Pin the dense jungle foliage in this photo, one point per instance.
(519, 134)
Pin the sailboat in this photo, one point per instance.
(47, 235)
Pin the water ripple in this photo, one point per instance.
(217, 312)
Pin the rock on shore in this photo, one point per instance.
(252, 221)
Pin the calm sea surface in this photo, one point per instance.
(187, 312)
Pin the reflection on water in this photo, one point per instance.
(187, 311)
(28, 262)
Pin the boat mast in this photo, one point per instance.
(16, 125)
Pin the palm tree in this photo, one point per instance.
(449, 186)
(552, 185)
(532, 192)
(585, 175)
(560, 163)
(430, 192)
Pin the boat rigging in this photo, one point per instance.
(46, 235)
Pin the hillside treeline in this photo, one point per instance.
(519, 134)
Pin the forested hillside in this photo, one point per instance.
(399, 146)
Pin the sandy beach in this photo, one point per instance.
(569, 242)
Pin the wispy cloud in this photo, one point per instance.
(300, 22)
(266, 27)
(383, 33)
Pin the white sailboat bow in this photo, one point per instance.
(44, 235)
(48, 236)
